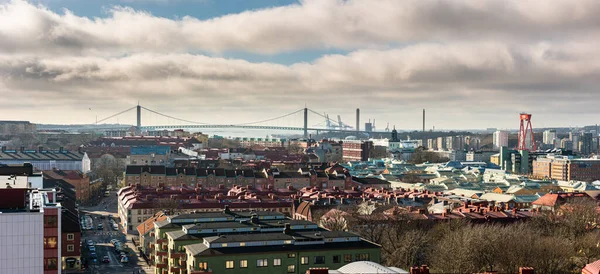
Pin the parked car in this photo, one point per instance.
(114, 242)
(100, 227)
(90, 242)
(93, 255)
(92, 248)
(105, 259)
(124, 259)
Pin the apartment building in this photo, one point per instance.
(137, 203)
(564, 168)
(356, 150)
(252, 242)
(30, 225)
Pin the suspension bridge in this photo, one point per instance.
(330, 124)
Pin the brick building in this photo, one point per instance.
(356, 150)
(565, 169)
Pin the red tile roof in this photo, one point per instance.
(593, 268)
(554, 199)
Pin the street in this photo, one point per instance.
(105, 213)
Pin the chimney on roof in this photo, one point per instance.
(60, 149)
(40, 149)
(3, 148)
(226, 209)
(254, 218)
(79, 149)
(22, 149)
(287, 228)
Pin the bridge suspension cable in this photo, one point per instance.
(268, 120)
(174, 118)
(102, 120)
(327, 118)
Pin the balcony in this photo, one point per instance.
(178, 255)
(161, 265)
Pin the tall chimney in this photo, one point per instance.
(423, 120)
(357, 119)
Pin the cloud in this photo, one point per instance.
(469, 63)
(311, 24)
(443, 76)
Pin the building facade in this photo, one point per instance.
(47, 159)
(252, 242)
(356, 150)
(31, 228)
(567, 169)
(500, 139)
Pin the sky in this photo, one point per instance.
(471, 64)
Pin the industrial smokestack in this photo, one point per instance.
(423, 120)
(357, 119)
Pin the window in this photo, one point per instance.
(291, 268)
(347, 258)
(304, 260)
(262, 263)
(224, 245)
(336, 259)
(319, 259)
(50, 264)
(70, 237)
(291, 255)
(242, 244)
(203, 265)
(362, 257)
(277, 262)
(50, 242)
(50, 221)
(243, 263)
(229, 264)
(70, 248)
(287, 242)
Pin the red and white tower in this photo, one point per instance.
(526, 141)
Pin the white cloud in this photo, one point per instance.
(442, 76)
(312, 24)
(467, 62)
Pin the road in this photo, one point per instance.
(103, 213)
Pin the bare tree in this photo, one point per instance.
(109, 169)
(334, 220)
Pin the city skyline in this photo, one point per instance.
(470, 64)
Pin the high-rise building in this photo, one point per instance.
(549, 137)
(566, 144)
(586, 144)
(500, 139)
(441, 143)
(575, 139)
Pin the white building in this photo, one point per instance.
(549, 137)
(20, 176)
(500, 139)
(47, 159)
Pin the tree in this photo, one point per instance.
(169, 206)
(295, 148)
(334, 220)
(109, 169)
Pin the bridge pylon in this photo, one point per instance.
(306, 123)
(139, 116)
